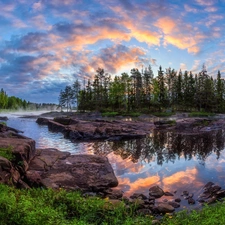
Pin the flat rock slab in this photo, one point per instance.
(80, 130)
(61, 169)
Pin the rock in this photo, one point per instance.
(191, 201)
(208, 185)
(185, 193)
(5, 164)
(156, 192)
(99, 129)
(165, 208)
(138, 203)
(56, 127)
(138, 195)
(174, 204)
(144, 212)
(113, 194)
(211, 200)
(220, 193)
(42, 121)
(85, 172)
(177, 200)
(166, 193)
(4, 118)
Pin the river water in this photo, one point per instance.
(175, 162)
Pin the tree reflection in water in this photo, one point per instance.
(166, 146)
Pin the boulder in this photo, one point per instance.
(156, 192)
(84, 172)
(165, 208)
(42, 121)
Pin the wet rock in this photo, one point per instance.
(56, 127)
(165, 208)
(215, 189)
(191, 201)
(4, 118)
(138, 195)
(220, 194)
(174, 204)
(166, 193)
(185, 193)
(208, 185)
(177, 200)
(156, 192)
(42, 121)
(201, 200)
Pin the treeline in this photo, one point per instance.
(15, 103)
(142, 91)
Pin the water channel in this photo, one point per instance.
(173, 161)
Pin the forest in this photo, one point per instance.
(141, 91)
(15, 103)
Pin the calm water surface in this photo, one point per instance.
(175, 162)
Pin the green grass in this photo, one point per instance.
(209, 215)
(7, 153)
(110, 114)
(60, 207)
(201, 114)
(163, 114)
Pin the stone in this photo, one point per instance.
(166, 193)
(185, 193)
(83, 172)
(177, 200)
(191, 201)
(138, 195)
(165, 208)
(220, 193)
(113, 194)
(174, 204)
(42, 121)
(156, 192)
(144, 212)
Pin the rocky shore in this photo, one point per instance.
(93, 175)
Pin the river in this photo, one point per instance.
(175, 162)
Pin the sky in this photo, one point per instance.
(48, 44)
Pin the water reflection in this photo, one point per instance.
(165, 147)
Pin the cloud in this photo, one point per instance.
(179, 35)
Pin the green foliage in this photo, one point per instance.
(201, 114)
(7, 153)
(110, 114)
(60, 207)
(207, 216)
(163, 114)
(3, 123)
(47, 206)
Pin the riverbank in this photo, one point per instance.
(49, 207)
(158, 130)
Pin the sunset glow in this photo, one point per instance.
(46, 45)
